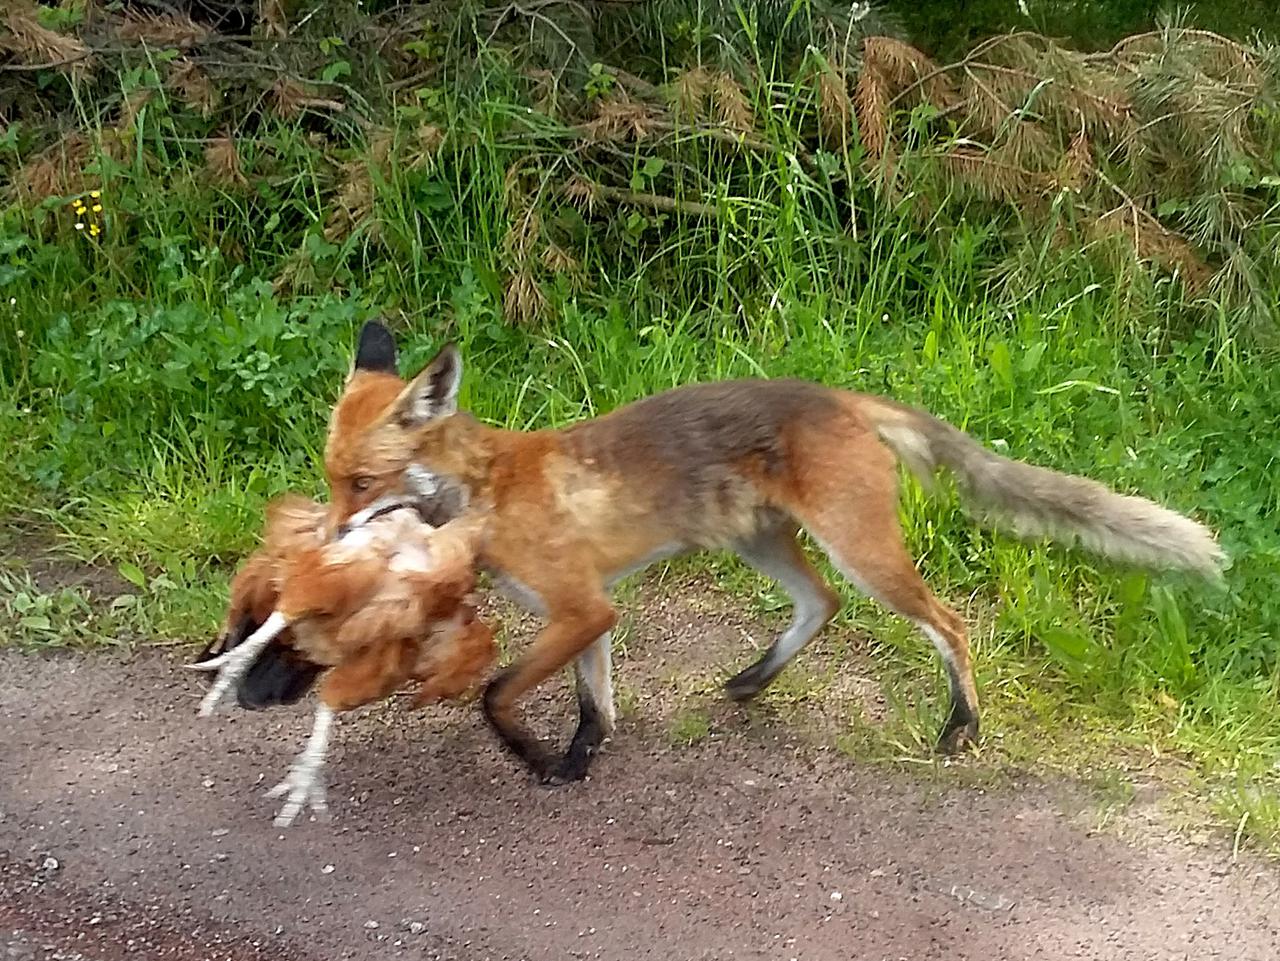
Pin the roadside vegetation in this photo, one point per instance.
(1070, 248)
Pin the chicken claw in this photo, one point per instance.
(304, 784)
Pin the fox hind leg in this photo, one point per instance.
(858, 529)
(946, 630)
(775, 553)
(893, 581)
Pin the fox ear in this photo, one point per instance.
(434, 392)
(375, 350)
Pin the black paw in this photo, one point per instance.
(959, 735)
(746, 685)
(570, 768)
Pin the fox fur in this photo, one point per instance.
(739, 465)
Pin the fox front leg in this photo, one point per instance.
(569, 632)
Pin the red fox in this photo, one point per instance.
(740, 465)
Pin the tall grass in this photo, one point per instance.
(162, 381)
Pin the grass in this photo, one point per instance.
(35, 616)
(691, 726)
(161, 383)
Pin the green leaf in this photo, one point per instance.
(434, 195)
(133, 574)
(1001, 363)
(653, 166)
(1069, 384)
(36, 622)
(1133, 588)
(1070, 648)
(1032, 356)
(1173, 627)
(339, 68)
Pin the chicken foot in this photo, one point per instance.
(303, 786)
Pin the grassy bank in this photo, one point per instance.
(165, 373)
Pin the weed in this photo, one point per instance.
(160, 610)
(689, 727)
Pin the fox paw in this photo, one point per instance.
(574, 766)
(957, 738)
(746, 684)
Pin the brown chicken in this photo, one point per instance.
(385, 602)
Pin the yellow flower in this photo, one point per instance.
(94, 230)
(97, 208)
(95, 194)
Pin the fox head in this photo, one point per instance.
(389, 438)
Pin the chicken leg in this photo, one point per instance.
(233, 664)
(303, 786)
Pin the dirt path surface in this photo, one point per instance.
(130, 830)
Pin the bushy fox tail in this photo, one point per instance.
(1034, 501)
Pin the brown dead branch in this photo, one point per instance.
(1151, 241)
(193, 86)
(222, 163)
(39, 48)
(620, 120)
(289, 98)
(523, 301)
(732, 108)
(166, 29)
(588, 194)
(871, 107)
(56, 172)
(835, 107)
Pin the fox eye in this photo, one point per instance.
(361, 484)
